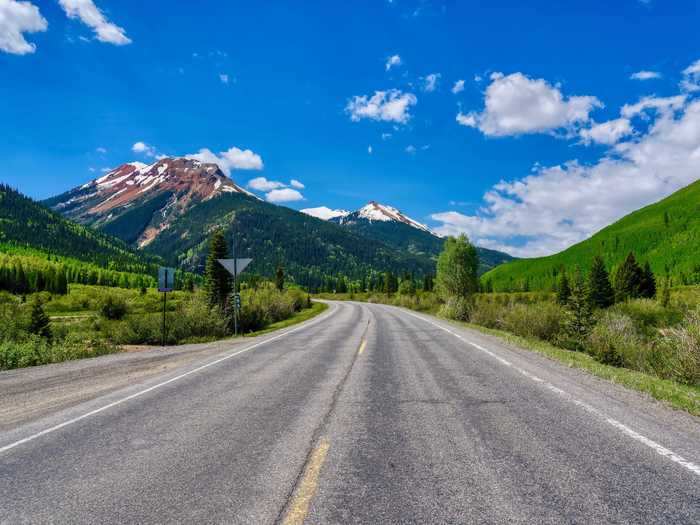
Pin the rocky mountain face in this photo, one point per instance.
(136, 202)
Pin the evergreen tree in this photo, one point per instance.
(628, 280)
(600, 290)
(563, 289)
(457, 268)
(188, 284)
(39, 322)
(647, 285)
(666, 292)
(279, 277)
(391, 283)
(216, 278)
(580, 315)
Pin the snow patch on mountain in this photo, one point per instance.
(325, 213)
(375, 211)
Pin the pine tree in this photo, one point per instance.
(666, 292)
(563, 289)
(600, 290)
(39, 322)
(216, 278)
(628, 280)
(647, 285)
(279, 277)
(580, 315)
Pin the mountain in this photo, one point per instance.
(136, 202)
(387, 224)
(171, 207)
(665, 234)
(26, 224)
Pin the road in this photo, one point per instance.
(365, 414)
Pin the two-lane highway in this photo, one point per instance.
(368, 414)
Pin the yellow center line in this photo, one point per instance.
(301, 501)
(362, 347)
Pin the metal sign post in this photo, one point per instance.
(235, 267)
(166, 283)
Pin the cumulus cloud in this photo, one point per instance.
(262, 184)
(608, 133)
(661, 104)
(231, 159)
(392, 61)
(325, 213)
(516, 104)
(284, 195)
(296, 184)
(458, 87)
(430, 82)
(17, 18)
(388, 106)
(223, 77)
(90, 15)
(691, 78)
(645, 75)
(557, 206)
(144, 149)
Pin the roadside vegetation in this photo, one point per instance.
(626, 327)
(91, 320)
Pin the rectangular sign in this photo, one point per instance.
(239, 265)
(166, 279)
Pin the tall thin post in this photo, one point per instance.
(165, 300)
(235, 283)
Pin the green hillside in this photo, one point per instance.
(27, 227)
(666, 234)
(310, 249)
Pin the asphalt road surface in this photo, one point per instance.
(365, 414)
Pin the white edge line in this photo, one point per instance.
(154, 387)
(659, 449)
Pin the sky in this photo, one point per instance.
(526, 125)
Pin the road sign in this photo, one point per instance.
(166, 279)
(235, 266)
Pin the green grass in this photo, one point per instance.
(666, 234)
(299, 317)
(676, 395)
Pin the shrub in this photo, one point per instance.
(113, 308)
(457, 308)
(648, 313)
(684, 343)
(543, 320)
(488, 313)
(613, 339)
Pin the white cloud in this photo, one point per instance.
(284, 195)
(386, 136)
(296, 184)
(392, 61)
(653, 103)
(325, 213)
(478, 78)
(223, 77)
(369, 149)
(389, 106)
(17, 18)
(516, 104)
(232, 159)
(143, 148)
(410, 149)
(557, 206)
(645, 75)
(262, 184)
(101, 150)
(430, 82)
(691, 78)
(608, 133)
(91, 16)
(458, 87)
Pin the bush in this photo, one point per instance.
(542, 320)
(684, 345)
(457, 308)
(488, 313)
(113, 308)
(648, 313)
(614, 339)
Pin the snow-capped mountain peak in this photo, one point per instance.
(374, 211)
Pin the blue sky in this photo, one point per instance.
(308, 90)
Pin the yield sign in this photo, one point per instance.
(234, 266)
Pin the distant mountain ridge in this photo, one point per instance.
(665, 234)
